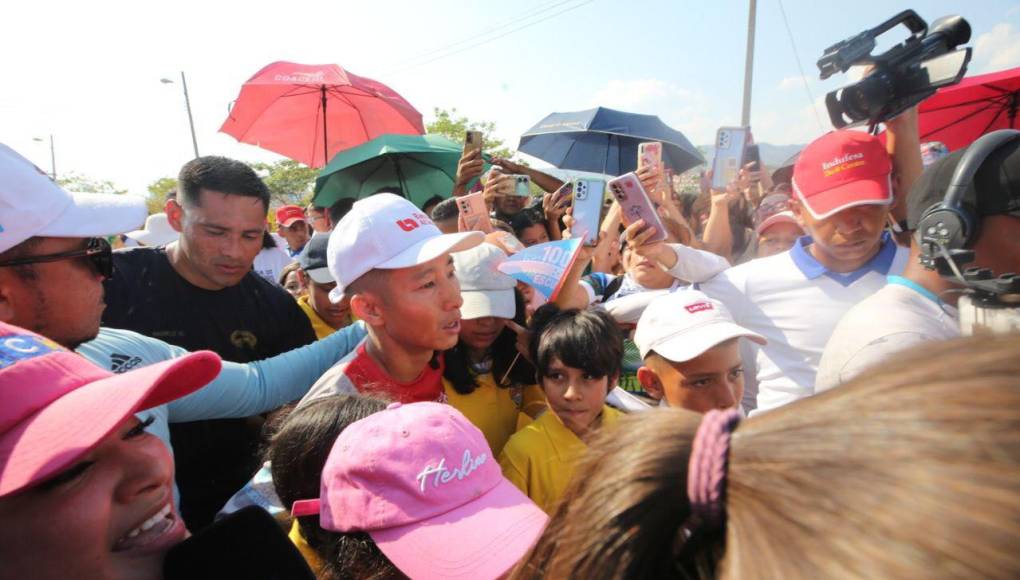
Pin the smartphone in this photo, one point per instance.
(474, 212)
(473, 141)
(587, 203)
(729, 155)
(752, 155)
(522, 185)
(650, 154)
(635, 204)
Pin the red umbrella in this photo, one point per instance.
(311, 112)
(959, 114)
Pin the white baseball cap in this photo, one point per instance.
(682, 325)
(387, 232)
(486, 291)
(31, 205)
(157, 231)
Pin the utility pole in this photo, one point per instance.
(745, 114)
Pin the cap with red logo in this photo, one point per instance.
(684, 324)
(386, 231)
(286, 215)
(841, 170)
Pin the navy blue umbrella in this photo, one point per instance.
(605, 141)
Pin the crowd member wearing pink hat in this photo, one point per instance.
(293, 228)
(842, 186)
(776, 226)
(421, 481)
(85, 492)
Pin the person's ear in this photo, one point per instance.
(367, 307)
(174, 214)
(650, 382)
(303, 279)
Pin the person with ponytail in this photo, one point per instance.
(909, 471)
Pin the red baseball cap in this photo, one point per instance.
(288, 214)
(56, 406)
(840, 170)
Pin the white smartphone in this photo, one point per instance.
(730, 143)
(587, 212)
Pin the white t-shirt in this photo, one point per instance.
(270, 262)
(795, 302)
(895, 318)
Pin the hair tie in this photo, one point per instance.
(706, 470)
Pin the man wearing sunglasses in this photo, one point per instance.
(53, 260)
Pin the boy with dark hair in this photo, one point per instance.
(577, 355)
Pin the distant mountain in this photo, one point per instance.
(772, 155)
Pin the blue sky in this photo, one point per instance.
(90, 72)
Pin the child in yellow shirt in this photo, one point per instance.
(578, 355)
(483, 377)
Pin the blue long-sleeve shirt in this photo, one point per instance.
(240, 390)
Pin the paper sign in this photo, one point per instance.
(543, 266)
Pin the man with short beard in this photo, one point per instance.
(201, 293)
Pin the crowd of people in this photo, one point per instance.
(779, 389)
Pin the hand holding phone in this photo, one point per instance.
(729, 155)
(587, 209)
(636, 205)
(474, 214)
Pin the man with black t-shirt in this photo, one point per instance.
(201, 293)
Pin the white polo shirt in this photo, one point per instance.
(795, 302)
(897, 317)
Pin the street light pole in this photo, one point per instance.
(187, 105)
(53, 157)
(745, 114)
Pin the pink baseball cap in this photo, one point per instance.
(842, 169)
(288, 214)
(422, 481)
(774, 208)
(56, 406)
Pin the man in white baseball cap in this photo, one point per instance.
(40, 223)
(691, 351)
(395, 266)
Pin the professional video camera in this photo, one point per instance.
(903, 76)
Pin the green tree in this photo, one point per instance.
(289, 182)
(84, 184)
(158, 191)
(452, 125)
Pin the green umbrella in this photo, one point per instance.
(420, 165)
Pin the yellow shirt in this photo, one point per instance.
(309, 553)
(541, 457)
(322, 330)
(494, 411)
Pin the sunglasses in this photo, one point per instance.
(98, 252)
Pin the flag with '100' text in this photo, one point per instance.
(543, 266)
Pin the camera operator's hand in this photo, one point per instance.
(468, 168)
(903, 142)
(650, 179)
